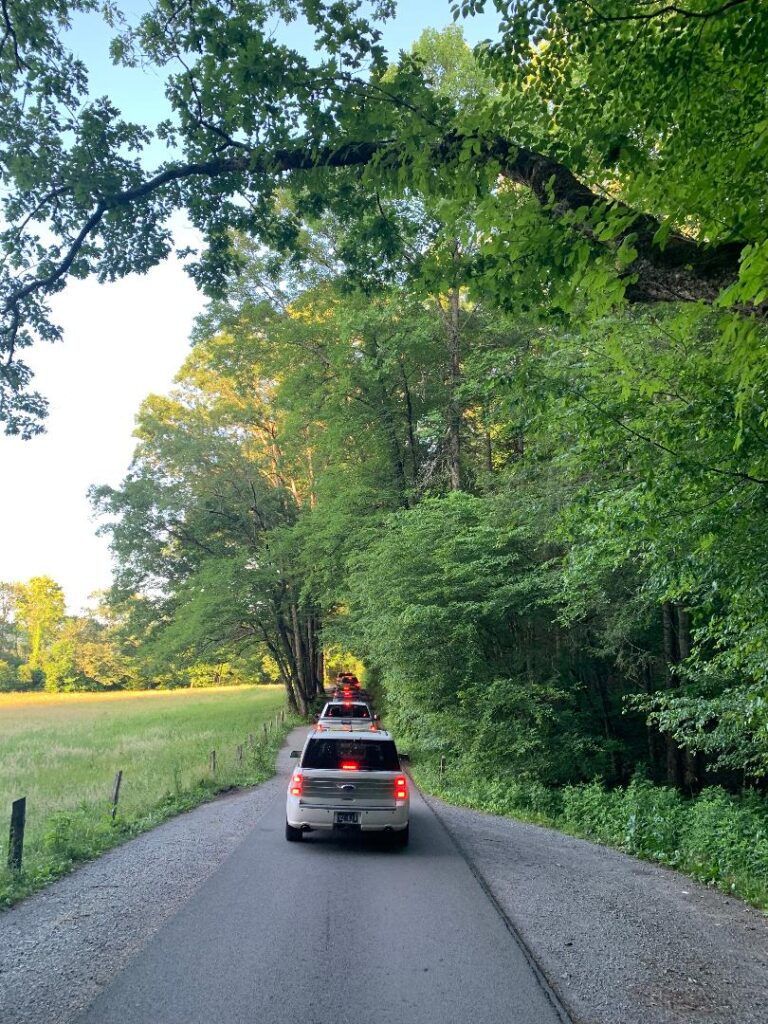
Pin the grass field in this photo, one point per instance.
(61, 751)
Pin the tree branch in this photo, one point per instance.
(668, 9)
(10, 33)
(683, 270)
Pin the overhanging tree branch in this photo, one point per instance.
(660, 12)
(683, 269)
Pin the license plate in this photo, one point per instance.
(347, 818)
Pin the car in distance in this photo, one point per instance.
(351, 693)
(348, 780)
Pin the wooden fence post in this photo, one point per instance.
(116, 792)
(251, 740)
(282, 716)
(265, 730)
(212, 762)
(16, 838)
(239, 754)
(442, 767)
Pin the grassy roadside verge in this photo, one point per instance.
(62, 754)
(716, 838)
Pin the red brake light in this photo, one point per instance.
(349, 766)
(401, 788)
(297, 784)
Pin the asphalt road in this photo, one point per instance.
(332, 930)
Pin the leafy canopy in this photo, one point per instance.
(630, 147)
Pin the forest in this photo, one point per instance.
(479, 397)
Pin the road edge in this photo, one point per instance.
(548, 987)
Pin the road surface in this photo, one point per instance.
(332, 930)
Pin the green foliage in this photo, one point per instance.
(480, 399)
(43, 648)
(719, 839)
(40, 612)
(633, 149)
(201, 524)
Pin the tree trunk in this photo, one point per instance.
(290, 694)
(691, 766)
(294, 672)
(314, 656)
(301, 660)
(602, 687)
(413, 451)
(671, 657)
(454, 380)
(282, 666)
(683, 632)
(320, 670)
(488, 451)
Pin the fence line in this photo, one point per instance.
(19, 806)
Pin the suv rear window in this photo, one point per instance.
(368, 755)
(346, 711)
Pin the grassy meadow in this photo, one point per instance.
(61, 751)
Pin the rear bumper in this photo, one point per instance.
(305, 814)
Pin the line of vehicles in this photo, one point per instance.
(349, 774)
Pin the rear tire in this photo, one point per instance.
(293, 835)
(400, 839)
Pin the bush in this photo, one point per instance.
(643, 819)
(726, 843)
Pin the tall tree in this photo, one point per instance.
(40, 612)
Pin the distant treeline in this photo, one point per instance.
(43, 648)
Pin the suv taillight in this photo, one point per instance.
(297, 784)
(401, 788)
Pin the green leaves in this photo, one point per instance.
(586, 161)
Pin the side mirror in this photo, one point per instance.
(297, 753)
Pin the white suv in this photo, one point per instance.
(348, 780)
(339, 713)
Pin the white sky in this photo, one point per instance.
(122, 341)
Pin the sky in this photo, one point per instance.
(122, 342)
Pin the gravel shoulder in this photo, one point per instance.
(621, 941)
(59, 948)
